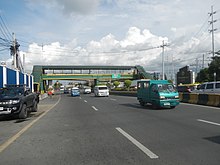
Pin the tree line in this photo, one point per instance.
(212, 73)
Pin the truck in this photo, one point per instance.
(158, 93)
(18, 100)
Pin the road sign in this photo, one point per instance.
(116, 75)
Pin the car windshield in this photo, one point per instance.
(166, 88)
(10, 92)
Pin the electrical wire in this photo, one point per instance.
(4, 29)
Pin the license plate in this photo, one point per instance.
(167, 104)
(1, 108)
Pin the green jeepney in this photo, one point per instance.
(158, 93)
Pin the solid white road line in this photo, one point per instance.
(138, 144)
(85, 101)
(203, 106)
(209, 122)
(94, 108)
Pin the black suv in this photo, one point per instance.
(17, 100)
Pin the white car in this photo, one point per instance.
(101, 90)
(87, 90)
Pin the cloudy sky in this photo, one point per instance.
(110, 32)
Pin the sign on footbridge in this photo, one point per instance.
(44, 73)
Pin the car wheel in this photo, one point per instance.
(35, 107)
(24, 113)
(142, 103)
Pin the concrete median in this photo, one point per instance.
(193, 98)
(213, 100)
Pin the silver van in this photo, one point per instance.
(208, 87)
(101, 90)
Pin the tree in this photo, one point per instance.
(202, 76)
(128, 84)
(214, 67)
(116, 83)
(207, 74)
(57, 85)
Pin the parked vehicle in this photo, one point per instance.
(18, 100)
(158, 93)
(75, 91)
(101, 90)
(208, 87)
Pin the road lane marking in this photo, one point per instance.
(85, 101)
(80, 97)
(94, 108)
(17, 135)
(203, 106)
(113, 99)
(138, 144)
(209, 122)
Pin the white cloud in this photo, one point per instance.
(132, 50)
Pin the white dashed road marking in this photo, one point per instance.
(94, 108)
(209, 122)
(138, 144)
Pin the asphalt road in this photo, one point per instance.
(111, 130)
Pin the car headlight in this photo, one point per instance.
(162, 97)
(13, 101)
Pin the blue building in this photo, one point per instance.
(9, 76)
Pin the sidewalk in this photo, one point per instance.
(44, 104)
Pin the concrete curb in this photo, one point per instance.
(43, 96)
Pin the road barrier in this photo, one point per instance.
(193, 98)
(203, 99)
(181, 96)
(213, 100)
(217, 103)
(185, 98)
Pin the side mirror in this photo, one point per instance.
(155, 90)
(26, 92)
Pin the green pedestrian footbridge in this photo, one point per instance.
(44, 74)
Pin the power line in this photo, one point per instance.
(203, 25)
(4, 29)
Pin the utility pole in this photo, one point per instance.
(163, 45)
(197, 63)
(203, 61)
(212, 30)
(23, 62)
(14, 53)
